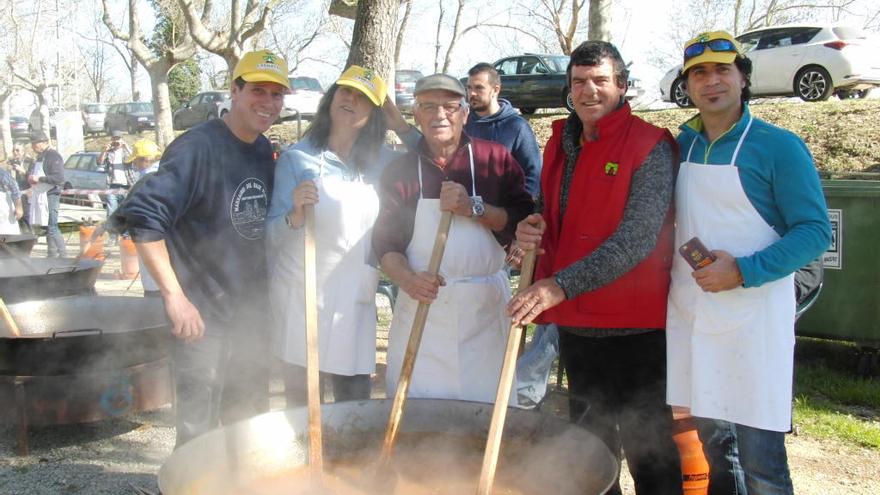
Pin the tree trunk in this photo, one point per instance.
(600, 20)
(401, 32)
(132, 74)
(161, 103)
(5, 131)
(372, 40)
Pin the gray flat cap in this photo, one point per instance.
(442, 82)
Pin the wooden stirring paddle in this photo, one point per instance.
(412, 347)
(8, 321)
(313, 387)
(508, 371)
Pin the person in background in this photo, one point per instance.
(750, 193)
(114, 158)
(494, 119)
(10, 204)
(482, 185)
(336, 168)
(606, 233)
(19, 166)
(46, 177)
(199, 225)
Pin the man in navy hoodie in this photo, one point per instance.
(495, 119)
(198, 224)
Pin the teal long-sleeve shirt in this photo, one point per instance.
(780, 180)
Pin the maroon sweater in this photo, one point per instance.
(499, 181)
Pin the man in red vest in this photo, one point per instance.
(606, 238)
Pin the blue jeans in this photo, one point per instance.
(54, 240)
(744, 460)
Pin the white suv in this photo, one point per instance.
(810, 62)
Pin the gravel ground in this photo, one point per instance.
(118, 456)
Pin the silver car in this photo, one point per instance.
(93, 115)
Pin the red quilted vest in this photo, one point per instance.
(596, 200)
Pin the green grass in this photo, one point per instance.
(831, 400)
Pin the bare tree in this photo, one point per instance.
(227, 39)
(401, 30)
(372, 40)
(292, 30)
(94, 61)
(157, 64)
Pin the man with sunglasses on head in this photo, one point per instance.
(606, 233)
(482, 185)
(750, 193)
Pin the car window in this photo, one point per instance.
(506, 66)
(71, 162)
(94, 108)
(307, 83)
(527, 65)
(775, 39)
(89, 162)
(407, 76)
(557, 63)
(140, 106)
(803, 35)
(749, 41)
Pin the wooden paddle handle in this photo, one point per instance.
(8, 321)
(316, 459)
(412, 347)
(505, 383)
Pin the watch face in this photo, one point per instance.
(477, 207)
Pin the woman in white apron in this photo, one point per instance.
(334, 168)
(462, 347)
(10, 204)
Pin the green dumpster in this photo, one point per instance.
(849, 306)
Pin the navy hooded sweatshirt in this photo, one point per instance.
(208, 201)
(507, 127)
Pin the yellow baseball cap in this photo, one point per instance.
(719, 47)
(262, 66)
(367, 81)
(144, 148)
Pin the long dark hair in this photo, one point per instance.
(369, 141)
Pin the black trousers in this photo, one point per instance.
(618, 387)
(222, 377)
(354, 387)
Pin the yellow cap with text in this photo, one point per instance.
(367, 81)
(262, 66)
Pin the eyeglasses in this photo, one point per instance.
(716, 45)
(431, 108)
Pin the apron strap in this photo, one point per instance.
(740, 142)
(421, 196)
(690, 150)
(473, 177)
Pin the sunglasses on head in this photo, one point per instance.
(716, 45)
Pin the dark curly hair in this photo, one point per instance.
(591, 53)
(369, 141)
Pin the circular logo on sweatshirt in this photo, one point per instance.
(248, 209)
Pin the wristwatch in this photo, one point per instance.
(287, 221)
(477, 207)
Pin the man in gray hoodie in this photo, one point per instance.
(495, 119)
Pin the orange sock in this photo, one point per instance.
(694, 466)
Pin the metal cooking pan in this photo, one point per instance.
(555, 455)
(25, 279)
(85, 333)
(16, 245)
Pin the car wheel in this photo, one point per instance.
(813, 84)
(679, 93)
(210, 116)
(569, 101)
(131, 129)
(527, 111)
(223, 112)
(863, 93)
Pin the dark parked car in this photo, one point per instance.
(404, 84)
(533, 81)
(18, 126)
(132, 117)
(204, 106)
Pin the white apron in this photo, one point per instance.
(729, 354)
(38, 213)
(344, 219)
(8, 222)
(463, 343)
